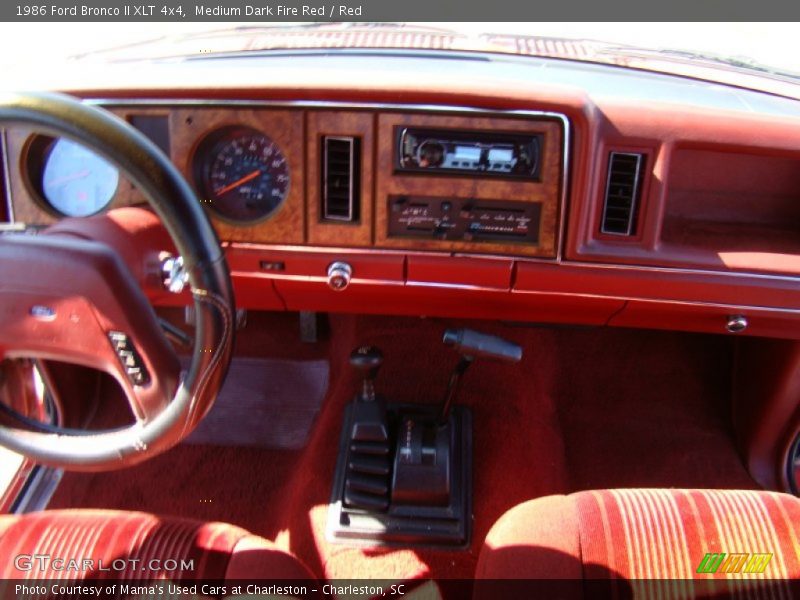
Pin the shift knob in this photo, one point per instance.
(367, 360)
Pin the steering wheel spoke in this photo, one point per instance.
(84, 307)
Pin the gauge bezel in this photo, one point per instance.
(34, 155)
(202, 157)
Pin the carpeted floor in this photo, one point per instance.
(265, 403)
(584, 409)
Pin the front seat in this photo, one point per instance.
(136, 546)
(647, 543)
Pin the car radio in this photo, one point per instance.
(464, 219)
(468, 153)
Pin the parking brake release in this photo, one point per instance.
(472, 344)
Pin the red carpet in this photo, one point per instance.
(584, 409)
(647, 409)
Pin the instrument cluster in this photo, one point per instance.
(240, 174)
(335, 177)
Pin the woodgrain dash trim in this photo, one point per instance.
(547, 191)
(351, 124)
(189, 126)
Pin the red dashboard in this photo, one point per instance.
(708, 236)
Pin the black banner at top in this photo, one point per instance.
(288, 11)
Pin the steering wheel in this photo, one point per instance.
(76, 301)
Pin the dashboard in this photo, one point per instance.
(451, 182)
(567, 194)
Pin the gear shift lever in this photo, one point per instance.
(472, 345)
(367, 360)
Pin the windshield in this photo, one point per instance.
(770, 49)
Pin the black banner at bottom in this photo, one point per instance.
(705, 587)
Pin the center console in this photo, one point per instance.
(404, 471)
(469, 183)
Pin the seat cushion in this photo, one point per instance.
(132, 545)
(635, 536)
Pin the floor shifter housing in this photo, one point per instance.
(422, 462)
(430, 496)
(404, 472)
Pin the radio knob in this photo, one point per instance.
(339, 275)
(431, 154)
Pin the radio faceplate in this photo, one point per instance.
(468, 153)
(464, 219)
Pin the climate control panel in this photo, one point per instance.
(464, 219)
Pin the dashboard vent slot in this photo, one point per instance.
(623, 188)
(341, 160)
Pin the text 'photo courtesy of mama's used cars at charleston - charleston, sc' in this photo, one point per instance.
(329, 305)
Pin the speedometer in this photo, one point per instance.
(242, 174)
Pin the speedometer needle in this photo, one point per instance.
(67, 178)
(238, 182)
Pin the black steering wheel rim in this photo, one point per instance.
(174, 201)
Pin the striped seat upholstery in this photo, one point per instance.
(106, 544)
(646, 543)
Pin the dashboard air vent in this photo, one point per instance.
(623, 188)
(341, 159)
